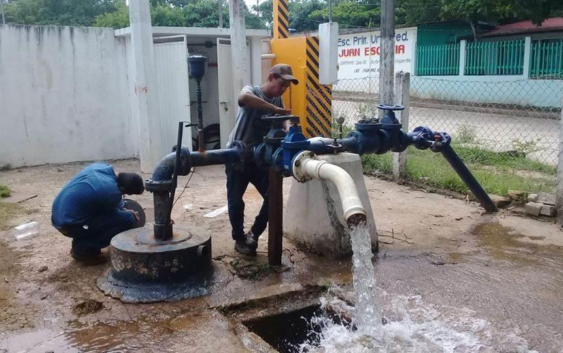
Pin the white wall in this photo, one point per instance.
(63, 96)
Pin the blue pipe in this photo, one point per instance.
(465, 175)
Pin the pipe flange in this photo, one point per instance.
(297, 164)
(152, 186)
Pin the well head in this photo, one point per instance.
(145, 269)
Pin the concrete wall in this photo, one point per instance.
(63, 96)
(490, 89)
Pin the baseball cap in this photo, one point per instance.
(285, 72)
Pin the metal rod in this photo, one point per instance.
(178, 155)
(468, 178)
(168, 232)
(201, 139)
(275, 218)
(330, 11)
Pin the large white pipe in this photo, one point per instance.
(307, 167)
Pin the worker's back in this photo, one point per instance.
(91, 192)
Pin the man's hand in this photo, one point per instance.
(249, 99)
(136, 215)
(282, 111)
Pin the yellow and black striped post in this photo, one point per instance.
(318, 97)
(281, 19)
(309, 100)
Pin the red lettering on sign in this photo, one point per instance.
(349, 52)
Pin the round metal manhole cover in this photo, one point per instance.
(146, 236)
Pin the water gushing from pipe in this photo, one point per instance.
(368, 316)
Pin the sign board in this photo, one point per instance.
(359, 53)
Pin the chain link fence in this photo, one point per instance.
(516, 119)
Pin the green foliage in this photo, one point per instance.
(466, 134)
(498, 173)
(58, 12)
(115, 19)
(473, 11)
(526, 147)
(5, 191)
(305, 15)
(115, 13)
(351, 14)
(300, 13)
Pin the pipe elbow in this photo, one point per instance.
(165, 168)
(307, 167)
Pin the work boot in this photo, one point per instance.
(251, 240)
(243, 248)
(92, 259)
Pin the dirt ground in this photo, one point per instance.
(48, 302)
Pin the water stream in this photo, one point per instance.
(368, 314)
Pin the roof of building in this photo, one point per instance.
(524, 27)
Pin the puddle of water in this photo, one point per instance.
(141, 335)
(506, 244)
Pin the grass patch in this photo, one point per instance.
(5, 191)
(498, 173)
(7, 212)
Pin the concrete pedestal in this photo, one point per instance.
(314, 216)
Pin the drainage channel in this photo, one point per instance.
(283, 324)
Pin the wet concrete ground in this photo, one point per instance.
(500, 272)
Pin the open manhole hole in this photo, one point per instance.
(288, 331)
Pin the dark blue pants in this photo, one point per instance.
(100, 230)
(237, 182)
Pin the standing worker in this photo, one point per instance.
(90, 209)
(254, 102)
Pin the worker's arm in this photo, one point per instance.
(248, 99)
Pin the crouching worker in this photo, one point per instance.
(90, 209)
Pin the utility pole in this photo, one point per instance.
(220, 13)
(239, 53)
(330, 11)
(146, 93)
(559, 185)
(387, 57)
(3, 14)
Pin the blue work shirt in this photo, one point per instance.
(91, 193)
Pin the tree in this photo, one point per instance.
(351, 14)
(299, 13)
(199, 13)
(115, 19)
(58, 12)
(474, 11)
